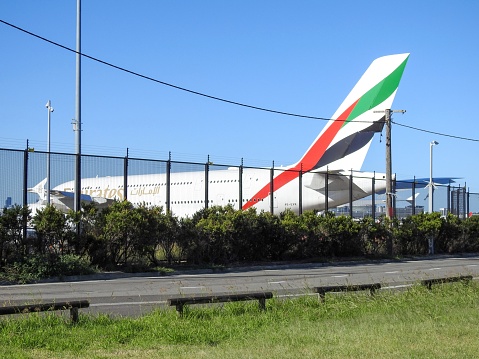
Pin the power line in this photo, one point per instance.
(162, 82)
(436, 133)
(210, 96)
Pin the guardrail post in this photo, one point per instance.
(74, 314)
(179, 309)
(262, 303)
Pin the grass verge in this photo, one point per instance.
(417, 323)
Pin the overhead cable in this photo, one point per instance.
(436, 133)
(162, 82)
(210, 96)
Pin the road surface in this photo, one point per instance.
(133, 295)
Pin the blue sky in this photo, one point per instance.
(299, 57)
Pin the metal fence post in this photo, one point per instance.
(393, 196)
(240, 189)
(351, 194)
(326, 190)
(413, 202)
(449, 198)
(125, 176)
(459, 207)
(467, 203)
(300, 190)
(25, 188)
(168, 183)
(456, 205)
(207, 170)
(373, 200)
(271, 190)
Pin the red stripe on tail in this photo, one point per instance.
(309, 160)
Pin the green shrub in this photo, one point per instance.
(36, 267)
(123, 236)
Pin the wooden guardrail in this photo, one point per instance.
(180, 302)
(346, 288)
(73, 306)
(429, 282)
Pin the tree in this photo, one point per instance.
(343, 235)
(167, 233)
(53, 232)
(12, 241)
(121, 228)
(468, 241)
(414, 233)
(215, 234)
(375, 235)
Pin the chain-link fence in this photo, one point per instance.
(187, 187)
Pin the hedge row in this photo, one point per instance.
(124, 236)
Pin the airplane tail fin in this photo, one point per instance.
(345, 140)
(39, 189)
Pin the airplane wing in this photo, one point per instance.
(424, 182)
(66, 199)
(317, 181)
(406, 184)
(337, 181)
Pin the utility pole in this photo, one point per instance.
(389, 198)
(389, 187)
(389, 191)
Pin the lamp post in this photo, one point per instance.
(77, 121)
(431, 185)
(50, 110)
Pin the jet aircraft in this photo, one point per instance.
(339, 150)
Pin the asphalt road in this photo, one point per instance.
(133, 295)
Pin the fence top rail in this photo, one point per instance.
(11, 150)
(357, 174)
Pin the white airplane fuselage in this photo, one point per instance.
(188, 193)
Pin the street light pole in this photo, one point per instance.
(77, 121)
(50, 110)
(431, 183)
